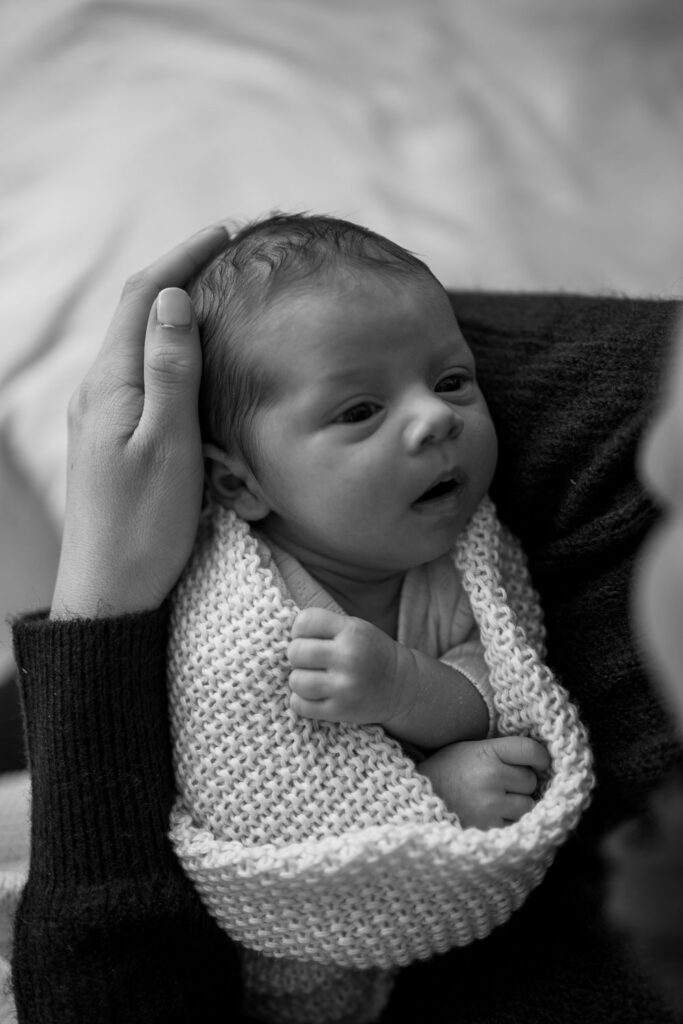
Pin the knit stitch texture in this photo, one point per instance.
(319, 841)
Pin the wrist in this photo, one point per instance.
(78, 603)
(403, 689)
(94, 591)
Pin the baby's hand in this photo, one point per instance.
(343, 668)
(487, 783)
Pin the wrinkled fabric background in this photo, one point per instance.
(512, 143)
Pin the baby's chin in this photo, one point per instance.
(367, 563)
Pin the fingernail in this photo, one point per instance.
(212, 229)
(174, 308)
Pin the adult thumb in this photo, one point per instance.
(173, 361)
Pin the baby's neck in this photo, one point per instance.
(366, 594)
(377, 601)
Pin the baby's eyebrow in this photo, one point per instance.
(337, 378)
(454, 348)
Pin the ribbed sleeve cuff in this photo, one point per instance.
(96, 721)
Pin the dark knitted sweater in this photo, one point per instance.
(109, 930)
(571, 384)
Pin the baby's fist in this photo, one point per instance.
(342, 668)
(487, 783)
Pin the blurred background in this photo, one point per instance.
(513, 144)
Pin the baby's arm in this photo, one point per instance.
(347, 670)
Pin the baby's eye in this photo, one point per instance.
(358, 413)
(453, 382)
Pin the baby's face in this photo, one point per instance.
(379, 444)
(659, 583)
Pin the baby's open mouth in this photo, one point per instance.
(445, 487)
(440, 489)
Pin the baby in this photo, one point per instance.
(343, 420)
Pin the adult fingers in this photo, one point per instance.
(172, 364)
(522, 750)
(122, 345)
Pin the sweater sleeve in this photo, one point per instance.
(108, 927)
(468, 659)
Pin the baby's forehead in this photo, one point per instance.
(331, 306)
(346, 286)
(353, 319)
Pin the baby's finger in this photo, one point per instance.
(515, 806)
(522, 750)
(520, 780)
(321, 623)
(312, 686)
(316, 709)
(309, 653)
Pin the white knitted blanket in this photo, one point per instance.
(321, 842)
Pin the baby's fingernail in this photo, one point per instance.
(174, 308)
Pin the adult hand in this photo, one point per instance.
(135, 467)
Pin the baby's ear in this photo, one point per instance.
(233, 484)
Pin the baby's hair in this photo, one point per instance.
(283, 251)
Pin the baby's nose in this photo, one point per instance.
(433, 422)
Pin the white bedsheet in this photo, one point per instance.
(512, 143)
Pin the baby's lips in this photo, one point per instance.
(443, 484)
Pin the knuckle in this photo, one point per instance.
(486, 755)
(310, 620)
(293, 651)
(168, 363)
(352, 639)
(297, 626)
(346, 691)
(137, 283)
(296, 704)
(344, 656)
(538, 753)
(78, 404)
(356, 628)
(301, 618)
(84, 401)
(295, 681)
(293, 702)
(528, 747)
(526, 803)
